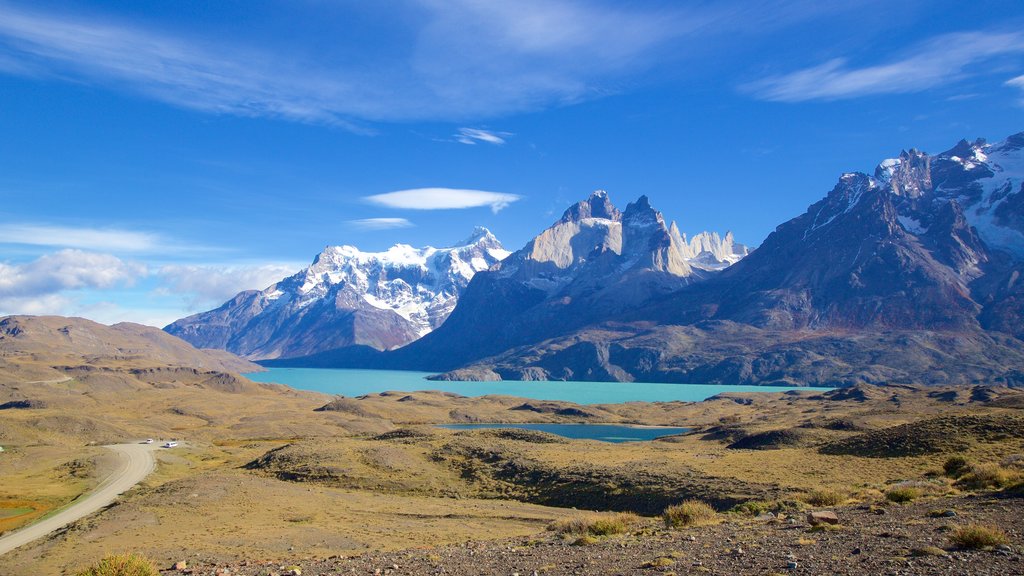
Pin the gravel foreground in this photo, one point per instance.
(891, 540)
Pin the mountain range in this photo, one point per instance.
(363, 302)
(910, 273)
(346, 297)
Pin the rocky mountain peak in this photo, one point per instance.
(480, 235)
(598, 205)
(641, 212)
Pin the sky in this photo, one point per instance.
(158, 157)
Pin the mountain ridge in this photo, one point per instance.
(346, 297)
(922, 257)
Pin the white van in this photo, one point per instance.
(171, 444)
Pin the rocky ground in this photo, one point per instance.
(893, 539)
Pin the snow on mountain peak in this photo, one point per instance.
(419, 284)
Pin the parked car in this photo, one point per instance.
(171, 444)
(147, 441)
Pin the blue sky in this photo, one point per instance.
(157, 157)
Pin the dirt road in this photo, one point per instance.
(135, 462)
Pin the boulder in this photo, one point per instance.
(816, 517)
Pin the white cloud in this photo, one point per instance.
(42, 305)
(380, 223)
(205, 286)
(85, 238)
(939, 61)
(449, 59)
(443, 199)
(67, 270)
(475, 135)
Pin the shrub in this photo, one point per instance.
(982, 476)
(689, 513)
(976, 536)
(596, 524)
(903, 494)
(122, 565)
(825, 497)
(758, 507)
(955, 466)
(1013, 462)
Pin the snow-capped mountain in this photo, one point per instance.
(346, 297)
(911, 273)
(593, 263)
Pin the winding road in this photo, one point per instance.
(135, 462)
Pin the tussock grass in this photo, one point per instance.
(986, 476)
(660, 562)
(956, 466)
(758, 507)
(903, 494)
(597, 524)
(910, 490)
(825, 497)
(978, 536)
(689, 513)
(122, 565)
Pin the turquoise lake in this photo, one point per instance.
(359, 382)
(604, 432)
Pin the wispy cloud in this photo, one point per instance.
(205, 286)
(456, 60)
(443, 199)
(476, 135)
(107, 239)
(380, 223)
(941, 60)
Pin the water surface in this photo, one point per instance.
(359, 382)
(603, 432)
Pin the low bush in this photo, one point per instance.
(903, 494)
(955, 466)
(977, 536)
(758, 507)
(985, 476)
(603, 524)
(689, 513)
(825, 497)
(122, 565)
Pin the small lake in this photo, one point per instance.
(359, 382)
(603, 432)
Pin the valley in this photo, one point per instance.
(268, 474)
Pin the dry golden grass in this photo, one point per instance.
(977, 536)
(986, 476)
(903, 494)
(825, 497)
(596, 524)
(122, 565)
(689, 513)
